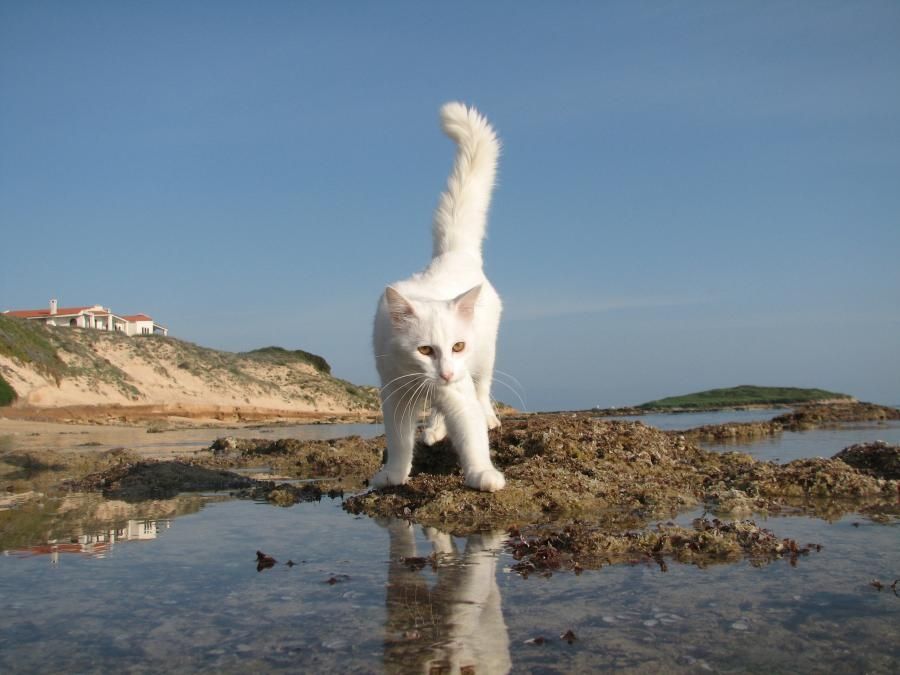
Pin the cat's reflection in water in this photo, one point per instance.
(445, 618)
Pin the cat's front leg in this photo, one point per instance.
(399, 427)
(483, 391)
(493, 422)
(467, 429)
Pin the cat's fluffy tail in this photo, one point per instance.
(461, 215)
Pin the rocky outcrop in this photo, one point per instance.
(803, 418)
(620, 474)
(817, 415)
(875, 459)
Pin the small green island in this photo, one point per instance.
(744, 395)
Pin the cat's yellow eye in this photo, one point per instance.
(425, 350)
(459, 346)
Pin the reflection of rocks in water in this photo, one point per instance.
(454, 623)
(81, 518)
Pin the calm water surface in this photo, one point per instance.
(826, 443)
(174, 586)
(58, 437)
(671, 421)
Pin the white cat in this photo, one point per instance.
(436, 332)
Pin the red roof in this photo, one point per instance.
(94, 310)
(31, 313)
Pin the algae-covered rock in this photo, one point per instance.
(554, 464)
(875, 459)
(804, 417)
(580, 545)
(816, 415)
(621, 474)
(135, 481)
(351, 456)
(287, 494)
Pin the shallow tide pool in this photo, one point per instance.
(185, 595)
(93, 585)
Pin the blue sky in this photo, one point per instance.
(691, 195)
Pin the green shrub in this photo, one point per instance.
(7, 393)
(283, 357)
(745, 394)
(29, 342)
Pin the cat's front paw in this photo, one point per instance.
(384, 478)
(492, 420)
(489, 480)
(434, 433)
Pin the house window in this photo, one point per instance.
(145, 331)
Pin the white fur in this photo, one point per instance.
(449, 302)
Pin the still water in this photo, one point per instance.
(21, 437)
(173, 586)
(689, 420)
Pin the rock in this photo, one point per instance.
(875, 459)
(136, 481)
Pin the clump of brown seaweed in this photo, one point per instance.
(875, 459)
(351, 456)
(150, 479)
(288, 494)
(580, 545)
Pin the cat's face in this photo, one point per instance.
(434, 338)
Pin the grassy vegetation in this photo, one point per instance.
(29, 343)
(61, 353)
(7, 393)
(284, 357)
(744, 394)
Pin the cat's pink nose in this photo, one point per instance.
(447, 376)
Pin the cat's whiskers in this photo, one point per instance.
(499, 380)
(413, 404)
(512, 377)
(430, 399)
(408, 388)
(409, 397)
(385, 386)
(405, 387)
(518, 396)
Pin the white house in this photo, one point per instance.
(96, 317)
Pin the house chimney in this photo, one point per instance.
(53, 306)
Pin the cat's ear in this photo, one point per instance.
(399, 307)
(465, 303)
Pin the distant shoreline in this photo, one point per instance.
(179, 416)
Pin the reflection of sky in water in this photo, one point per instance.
(192, 600)
(669, 421)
